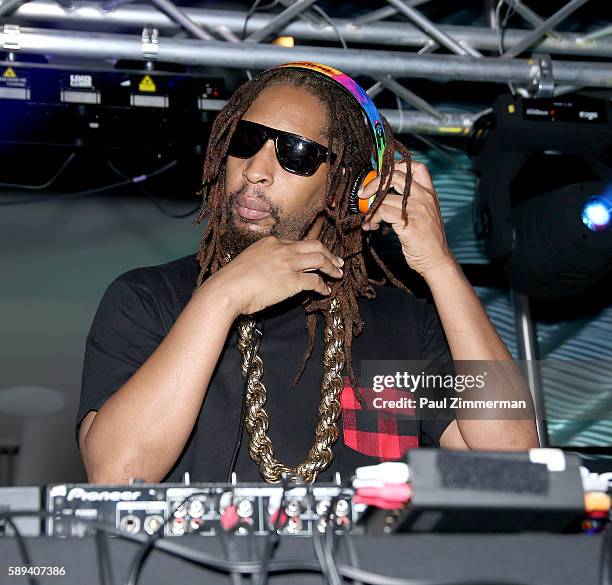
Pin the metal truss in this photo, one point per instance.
(414, 47)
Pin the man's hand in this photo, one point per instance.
(423, 239)
(272, 270)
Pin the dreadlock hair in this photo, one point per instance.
(350, 137)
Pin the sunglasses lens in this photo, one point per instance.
(297, 156)
(247, 140)
(294, 154)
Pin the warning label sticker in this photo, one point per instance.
(14, 85)
(147, 85)
(10, 78)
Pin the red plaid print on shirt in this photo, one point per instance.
(384, 433)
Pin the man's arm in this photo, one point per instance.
(472, 336)
(142, 428)
(470, 333)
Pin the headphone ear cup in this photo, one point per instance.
(353, 198)
(357, 205)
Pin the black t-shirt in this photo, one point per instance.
(138, 310)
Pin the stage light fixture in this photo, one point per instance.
(543, 204)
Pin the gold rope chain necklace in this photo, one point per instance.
(256, 418)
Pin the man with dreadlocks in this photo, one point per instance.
(173, 378)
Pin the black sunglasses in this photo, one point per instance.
(295, 154)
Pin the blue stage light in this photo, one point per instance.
(597, 213)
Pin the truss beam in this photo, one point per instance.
(262, 56)
(138, 15)
(535, 35)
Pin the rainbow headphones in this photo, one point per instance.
(349, 85)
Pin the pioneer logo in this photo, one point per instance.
(101, 496)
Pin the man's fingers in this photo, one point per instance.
(397, 184)
(419, 170)
(421, 175)
(316, 261)
(400, 165)
(387, 213)
(314, 282)
(307, 246)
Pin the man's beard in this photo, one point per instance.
(237, 236)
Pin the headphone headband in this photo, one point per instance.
(363, 99)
